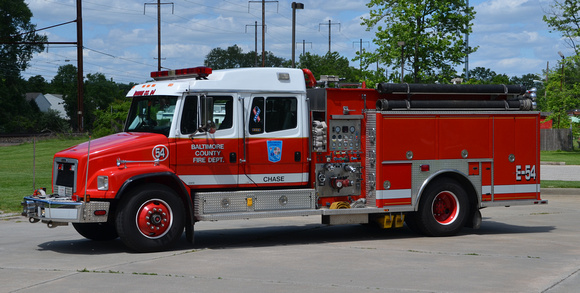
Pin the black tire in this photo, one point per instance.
(411, 221)
(151, 218)
(97, 231)
(443, 208)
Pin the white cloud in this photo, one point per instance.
(510, 33)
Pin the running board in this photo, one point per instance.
(236, 205)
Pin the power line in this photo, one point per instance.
(117, 57)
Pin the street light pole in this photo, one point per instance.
(402, 45)
(562, 76)
(294, 7)
(561, 80)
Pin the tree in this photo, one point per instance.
(563, 91)
(65, 83)
(112, 119)
(329, 64)
(18, 42)
(99, 94)
(564, 17)
(528, 80)
(481, 75)
(37, 84)
(18, 39)
(234, 57)
(432, 31)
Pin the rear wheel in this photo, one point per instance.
(151, 219)
(443, 208)
(97, 231)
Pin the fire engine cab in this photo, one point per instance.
(203, 145)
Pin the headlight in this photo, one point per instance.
(103, 182)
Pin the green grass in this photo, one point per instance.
(570, 158)
(559, 184)
(16, 169)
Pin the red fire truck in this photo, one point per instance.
(203, 145)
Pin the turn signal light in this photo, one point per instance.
(80, 198)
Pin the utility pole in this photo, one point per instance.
(159, 27)
(361, 49)
(304, 42)
(80, 81)
(329, 24)
(467, 46)
(402, 45)
(255, 25)
(263, 26)
(79, 44)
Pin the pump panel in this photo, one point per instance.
(345, 135)
(338, 179)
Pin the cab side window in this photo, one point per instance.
(273, 114)
(280, 114)
(189, 117)
(223, 112)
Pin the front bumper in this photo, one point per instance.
(61, 211)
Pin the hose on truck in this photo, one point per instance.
(515, 105)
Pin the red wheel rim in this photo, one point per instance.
(445, 208)
(154, 218)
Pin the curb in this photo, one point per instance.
(560, 191)
(553, 163)
(10, 216)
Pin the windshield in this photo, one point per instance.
(151, 114)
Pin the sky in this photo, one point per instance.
(120, 36)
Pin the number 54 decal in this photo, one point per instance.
(527, 171)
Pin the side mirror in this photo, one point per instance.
(206, 108)
(210, 127)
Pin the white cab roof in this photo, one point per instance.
(256, 80)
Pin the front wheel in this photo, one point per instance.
(151, 219)
(443, 208)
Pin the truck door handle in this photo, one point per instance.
(233, 158)
(297, 157)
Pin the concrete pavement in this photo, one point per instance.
(518, 249)
(560, 172)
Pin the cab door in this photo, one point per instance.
(276, 141)
(208, 142)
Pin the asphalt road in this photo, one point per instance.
(517, 249)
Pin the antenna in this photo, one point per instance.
(87, 172)
(34, 163)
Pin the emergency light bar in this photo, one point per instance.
(197, 72)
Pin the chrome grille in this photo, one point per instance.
(65, 176)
